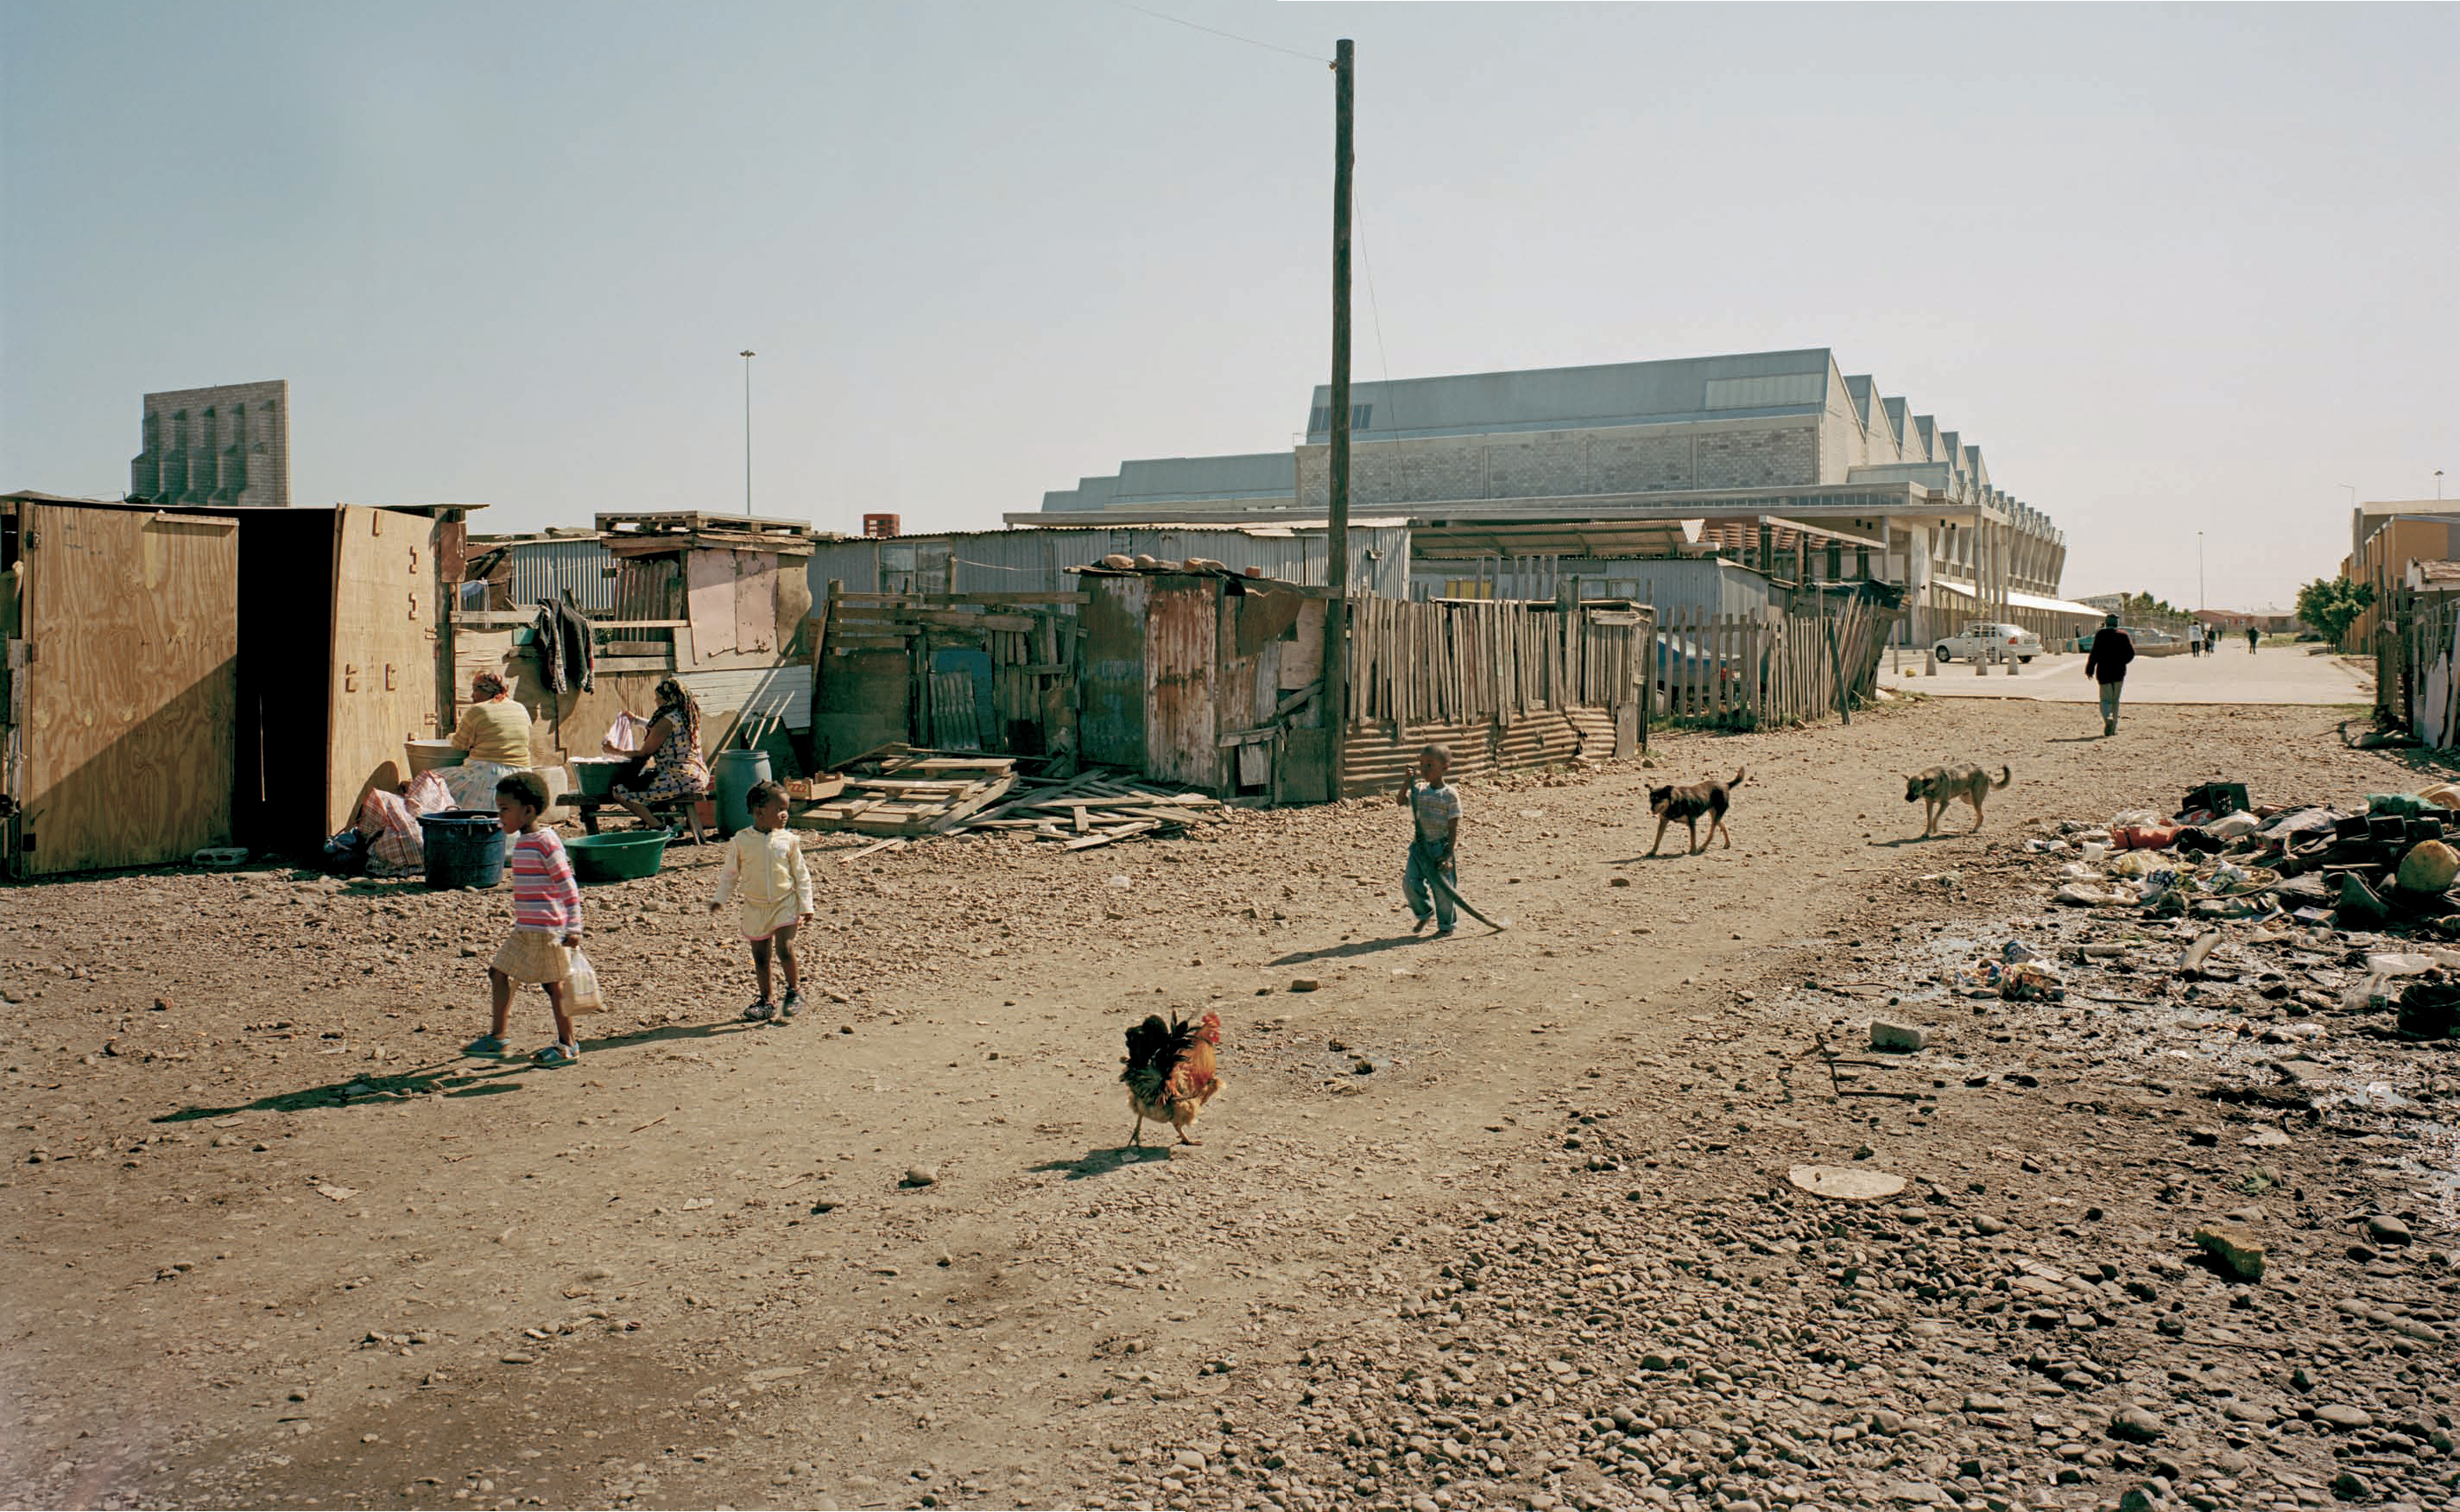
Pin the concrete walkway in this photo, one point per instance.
(2276, 674)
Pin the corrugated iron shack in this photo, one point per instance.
(1209, 678)
(718, 601)
(957, 671)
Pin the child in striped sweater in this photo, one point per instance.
(546, 920)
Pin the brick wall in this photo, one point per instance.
(227, 445)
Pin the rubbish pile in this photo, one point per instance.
(2355, 903)
(904, 794)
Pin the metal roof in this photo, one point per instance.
(1585, 398)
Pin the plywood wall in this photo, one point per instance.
(130, 692)
(383, 681)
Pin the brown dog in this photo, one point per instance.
(1689, 804)
(1941, 785)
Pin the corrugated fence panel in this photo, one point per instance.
(759, 689)
(544, 571)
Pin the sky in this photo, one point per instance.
(2180, 272)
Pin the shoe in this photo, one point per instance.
(791, 1005)
(555, 1056)
(1444, 933)
(760, 1013)
(1423, 920)
(484, 1045)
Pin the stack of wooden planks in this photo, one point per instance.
(1097, 807)
(905, 794)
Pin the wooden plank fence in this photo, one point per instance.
(1780, 668)
(1451, 663)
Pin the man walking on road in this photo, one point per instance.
(2252, 636)
(2194, 640)
(2107, 664)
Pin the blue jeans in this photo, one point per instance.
(1424, 862)
(2109, 703)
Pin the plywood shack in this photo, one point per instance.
(719, 601)
(1206, 678)
(121, 629)
(959, 672)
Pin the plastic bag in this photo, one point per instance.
(2232, 826)
(428, 794)
(581, 990)
(2133, 818)
(628, 732)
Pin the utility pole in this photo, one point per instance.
(747, 433)
(1336, 543)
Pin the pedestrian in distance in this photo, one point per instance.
(1426, 880)
(546, 920)
(2194, 640)
(765, 875)
(2107, 665)
(2252, 636)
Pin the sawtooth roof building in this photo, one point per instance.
(1517, 480)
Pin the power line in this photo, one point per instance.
(1374, 308)
(1270, 46)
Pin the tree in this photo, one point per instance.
(2329, 605)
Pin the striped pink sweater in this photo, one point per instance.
(544, 894)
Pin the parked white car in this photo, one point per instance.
(1981, 639)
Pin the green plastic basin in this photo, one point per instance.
(616, 857)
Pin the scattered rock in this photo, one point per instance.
(1902, 1038)
(2136, 1425)
(922, 1175)
(2343, 1416)
(2235, 1245)
(1304, 984)
(2384, 1229)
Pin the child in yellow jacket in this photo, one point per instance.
(764, 872)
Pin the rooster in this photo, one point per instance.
(1170, 1071)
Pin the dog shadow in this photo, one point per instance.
(1911, 839)
(2073, 740)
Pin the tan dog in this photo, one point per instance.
(1941, 785)
(1689, 804)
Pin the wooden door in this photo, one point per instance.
(383, 682)
(128, 673)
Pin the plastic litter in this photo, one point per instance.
(2133, 817)
(2232, 826)
(2403, 804)
(2027, 981)
(2015, 951)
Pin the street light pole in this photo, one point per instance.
(2200, 605)
(747, 357)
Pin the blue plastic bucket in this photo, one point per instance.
(464, 848)
(737, 772)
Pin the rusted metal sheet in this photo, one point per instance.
(1182, 640)
(1110, 724)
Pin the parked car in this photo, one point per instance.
(1982, 638)
(1685, 665)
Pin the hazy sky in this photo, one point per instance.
(2174, 269)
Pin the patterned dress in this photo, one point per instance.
(676, 769)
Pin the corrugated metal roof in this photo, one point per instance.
(1041, 561)
(1575, 398)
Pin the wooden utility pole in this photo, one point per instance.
(1336, 543)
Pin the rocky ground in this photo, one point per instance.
(1503, 1220)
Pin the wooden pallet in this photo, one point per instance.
(904, 793)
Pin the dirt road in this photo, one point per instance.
(271, 1241)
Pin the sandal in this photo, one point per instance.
(760, 1013)
(484, 1045)
(556, 1056)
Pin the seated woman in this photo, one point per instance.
(496, 731)
(668, 767)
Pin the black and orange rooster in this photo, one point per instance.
(1171, 1071)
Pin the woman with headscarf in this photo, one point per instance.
(496, 731)
(668, 765)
